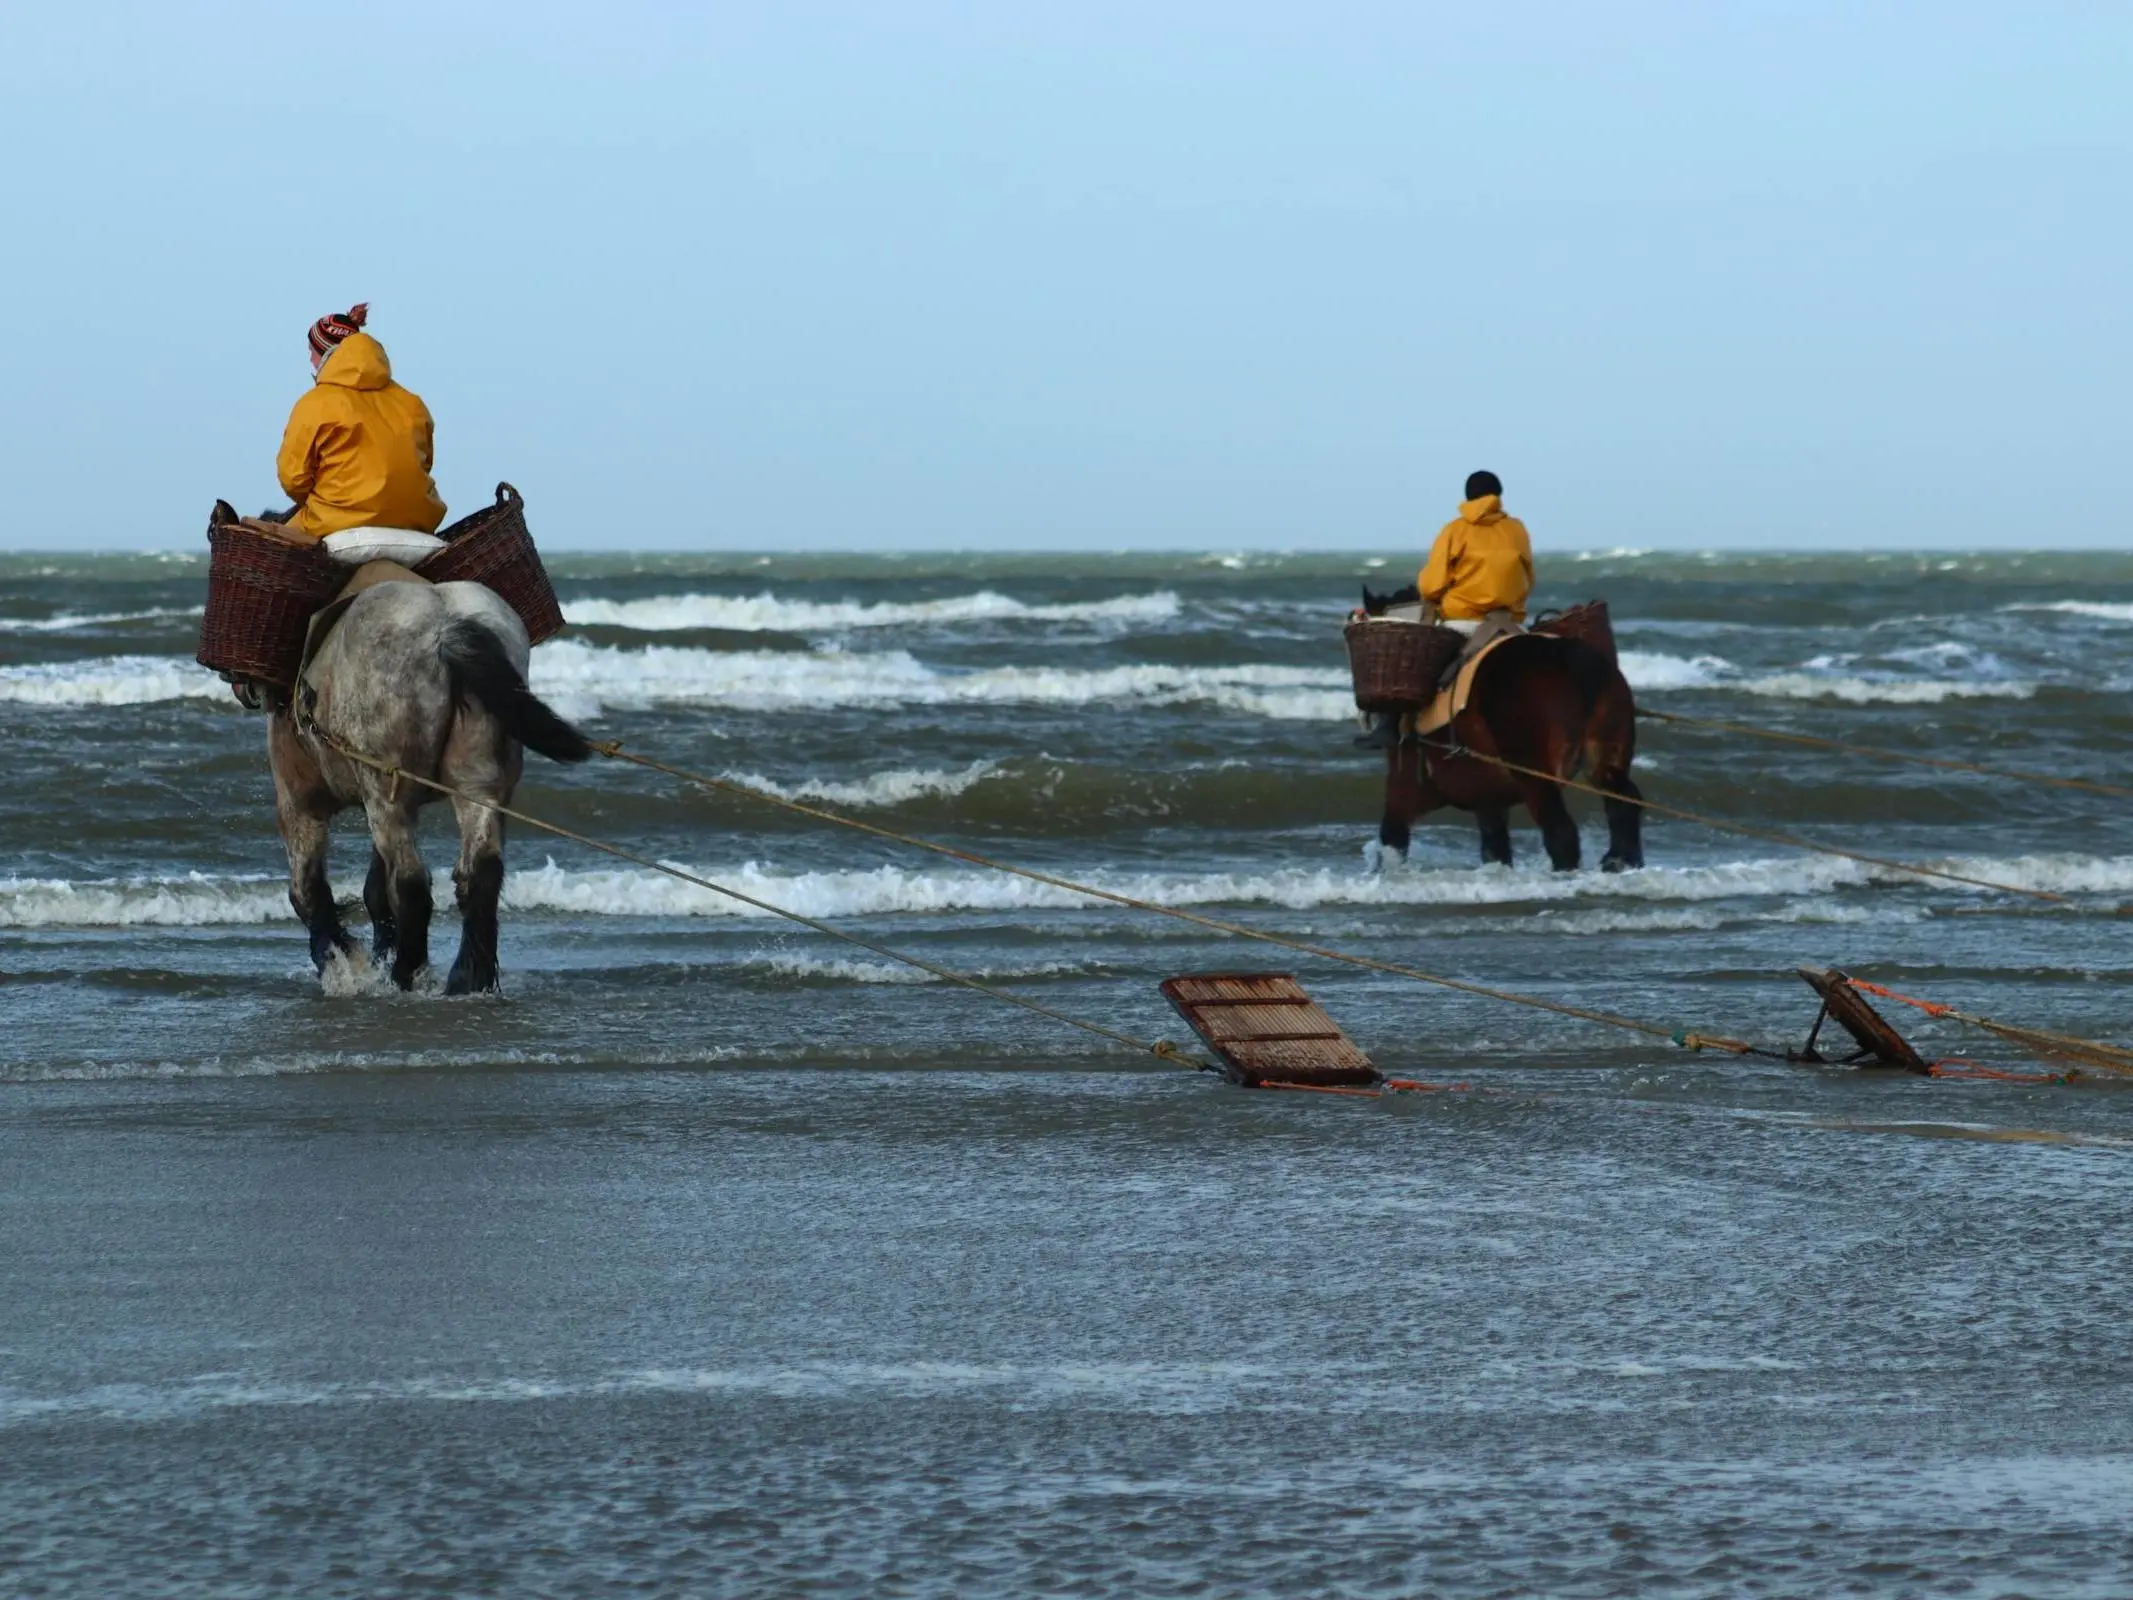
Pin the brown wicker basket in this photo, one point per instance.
(1588, 624)
(261, 593)
(492, 547)
(1396, 665)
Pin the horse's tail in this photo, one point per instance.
(483, 673)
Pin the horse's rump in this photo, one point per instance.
(483, 672)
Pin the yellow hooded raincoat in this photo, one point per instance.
(1481, 562)
(358, 448)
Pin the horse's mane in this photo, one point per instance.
(1376, 605)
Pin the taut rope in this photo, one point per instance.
(1162, 1049)
(1882, 753)
(1769, 834)
(1691, 1041)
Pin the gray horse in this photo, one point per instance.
(430, 679)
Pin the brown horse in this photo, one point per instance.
(1550, 704)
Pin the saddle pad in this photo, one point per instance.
(1450, 702)
(354, 547)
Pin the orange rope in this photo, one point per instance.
(1929, 1007)
(1385, 1086)
(1964, 1067)
(2113, 1057)
(1321, 1088)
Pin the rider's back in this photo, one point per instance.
(1482, 562)
(358, 449)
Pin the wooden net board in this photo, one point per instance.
(1869, 1029)
(1266, 1029)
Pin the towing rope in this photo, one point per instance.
(2111, 1057)
(1162, 1049)
(614, 751)
(1881, 752)
(1770, 834)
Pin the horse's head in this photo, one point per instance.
(1376, 605)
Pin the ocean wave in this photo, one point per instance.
(1135, 1383)
(1706, 919)
(199, 900)
(1853, 689)
(195, 900)
(808, 969)
(893, 788)
(583, 679)
(767, 613)
(68, 621)
(2107, 610)
(1652, 671)
(110, 681)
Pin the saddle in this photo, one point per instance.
(368, 576)
(1457, 682)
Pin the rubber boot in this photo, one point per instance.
(1384, 732)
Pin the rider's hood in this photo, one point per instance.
(357, 362)
(1489, 508)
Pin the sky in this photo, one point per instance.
(1089, 275)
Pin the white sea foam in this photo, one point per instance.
(1140, 1383)
(67, 621)
(198, 900)
(757, 613)
(1826, 678)
(195, 900)
(809, 969)
(582, 678)
(2107, 610)
(109, 681)
(1859, 691)
(1707, 919)
(1649, 670)
(892, 788)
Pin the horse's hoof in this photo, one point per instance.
(1619, 864)
(461, 982)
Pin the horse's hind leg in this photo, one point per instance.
(1625, 825)
(1559, 830)
(1610, 747)
(377, 900)
(407, 885)
(1495, 836)
(479, 879)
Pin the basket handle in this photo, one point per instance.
(508, 496)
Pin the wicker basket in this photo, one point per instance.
(492, 547)
(261, 593)
(1588, 624)
(1397, 664)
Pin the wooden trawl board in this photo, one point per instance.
(1869, 1029)
(1267, 1030)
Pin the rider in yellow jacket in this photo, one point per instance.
(1481, 562)
(358, 449)
(1476, 580)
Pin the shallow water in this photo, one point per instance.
(717, 1258)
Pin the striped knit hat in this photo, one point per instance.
(329, 331)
